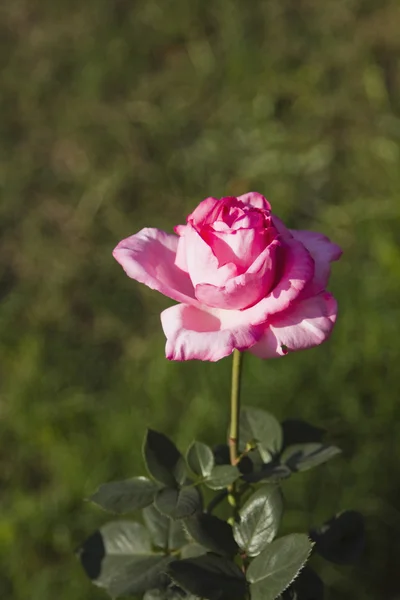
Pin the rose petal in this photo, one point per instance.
(246, 289)
(180, 258)
(281, 228)
(193, 333)
(306, 324)
(202, 264)
(206, 212)
(250, 219)
(298, 271)
(149, 257)
(323, 252)
(241, 246)
(180, 229)
(255, 199)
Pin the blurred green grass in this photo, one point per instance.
(116, 115)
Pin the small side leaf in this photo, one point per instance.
(301, 457)
(200, 459)
(261, 427)
(124, 496)
(212, 533)
(165, 532)
(222, 476)
(271, 472)
(259, 520)
(163, 459)
(209, 576)
(178, 503)
(118, 557)
(342, 539)
(277, 566)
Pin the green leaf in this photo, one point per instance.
(212, 533)
(165, 532)
(259, 520)
(277, 566)
(222, 476)
(259, 426)
(192, 550)
(178, 503)
(209, 576)
(167, 593)
(124, 496)
(200, 459)
(163, 460)
(342, 539)
(118, 558)
(307, 586)
(271, 472)
(301, 457)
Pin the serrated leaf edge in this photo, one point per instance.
(157, 485)
(312, 544)
(237, 526)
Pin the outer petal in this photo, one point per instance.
(255, 199)
(180, 258)
(193, 333)
(149, 257)
(323, 252)
(298, 271)
(246, 289)
(281, 228)
(306, 324)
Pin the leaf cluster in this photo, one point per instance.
(182, 550)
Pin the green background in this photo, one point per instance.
(121, 114)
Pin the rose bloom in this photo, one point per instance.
(242, 280)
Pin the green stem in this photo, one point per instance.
(235, 407)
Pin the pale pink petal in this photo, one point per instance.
(246, 289)
(193, 333)
(241, 246)
(149, 257)
(180, 229)
(306, 324)
(323, 252)
(216, 226)
(255, 199)
(180, 259)
(251, 219)
(203, 265)
(298, 271)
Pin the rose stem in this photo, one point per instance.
(235, 406)
(234, 427)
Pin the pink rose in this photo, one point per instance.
(242, 280)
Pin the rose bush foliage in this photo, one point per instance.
(242, 280)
